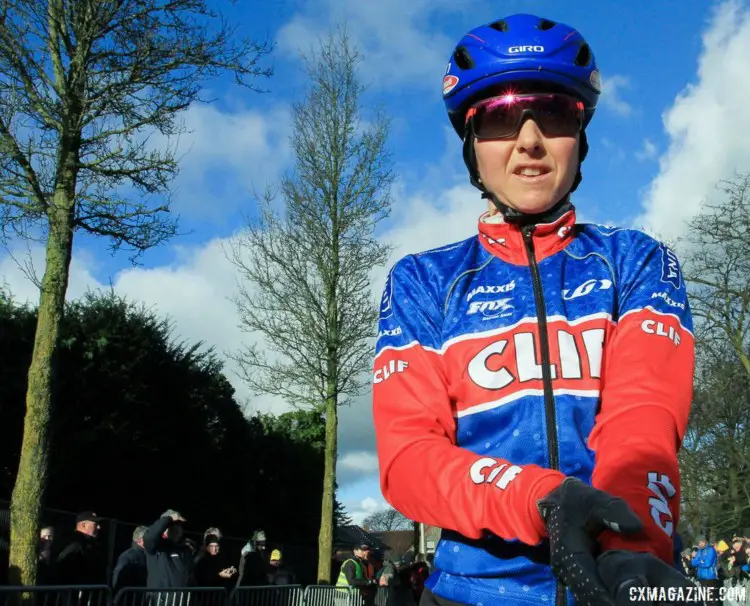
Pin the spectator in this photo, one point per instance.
(169, 561)
(253, 565)
(338, 558)
(705, 563)
(353, 576)
(212, 568)
(395, 583)
(686, 561)
(419, 573)
(82, 561)
(279, 573)
(192, 547)
(45, 567)
(213, 531)
(131, 569)
(737, 560)
(722, 560)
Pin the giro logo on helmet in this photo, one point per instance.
(449, 83)
(526, 49)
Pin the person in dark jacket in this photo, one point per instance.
(279, 573)
(46, 560)
(131, 569)
(212, 568)
(738, 560)
(82, 561)
(200, 553)
(253, 564)
(168, 560)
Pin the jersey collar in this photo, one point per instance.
(505, 240)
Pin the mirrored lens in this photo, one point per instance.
(502, 117)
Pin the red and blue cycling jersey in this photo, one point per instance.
(518, 357)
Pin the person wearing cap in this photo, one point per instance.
(354, 576)
(253, 564)
(169, 561)
(82, 562)
(131, 569)
(705, 563)
(279, 573)
(200, 552)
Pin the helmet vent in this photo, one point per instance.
(546, 24)
(500, 26)
(462, 58)
(583, 58)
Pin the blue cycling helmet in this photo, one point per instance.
(520, 49)
(527, 52)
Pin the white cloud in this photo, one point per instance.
(225, 154)
(356, 465)
(612, 88)
(361, 461)
(26, 263)
(359, 510)
(707, 126)
(396, 44)
(648, 151)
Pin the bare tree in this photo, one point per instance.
(716, 264)
(386, 521)
(715, 458)
(83, 86)
(304, 269)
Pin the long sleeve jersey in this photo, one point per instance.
(513, 359)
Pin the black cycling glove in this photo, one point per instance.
(575, 513)
(626, 572)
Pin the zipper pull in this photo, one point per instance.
(526, 232)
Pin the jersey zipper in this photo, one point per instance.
(549, 397)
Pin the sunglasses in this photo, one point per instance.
(501, 117)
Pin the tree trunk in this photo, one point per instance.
(734, 494)
(325, 538)
(27, 501)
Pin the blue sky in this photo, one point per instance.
(672, 121)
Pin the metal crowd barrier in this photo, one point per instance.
(278, 595)
(56, 595)
(177, 596)
(738, 594)
(327, 595)
(268, 595)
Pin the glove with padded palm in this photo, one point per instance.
(625, 572)
(574, 514)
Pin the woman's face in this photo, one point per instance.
(531, 172)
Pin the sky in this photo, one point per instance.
(672, 122)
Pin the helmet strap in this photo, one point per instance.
(511, 215)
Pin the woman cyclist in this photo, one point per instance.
(532, 383)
